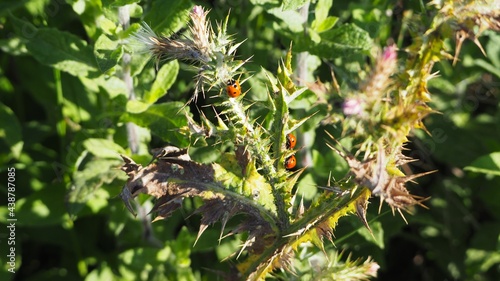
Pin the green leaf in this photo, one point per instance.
(164, 120)
(292, 4)
(107, 53)
(135, 11)
(113, 85)
(255, 183)
(118, 3)
(87, 181)
(14, 45)
(378, 234)
(325, 25)
(91, 14)
(164, 80)
(10, 130)
(349, 36)
(168, 16)
(479, 260)
(103, 148)
(291, 19)
(344, 40)
(43, 207)
(61, 50)
(487, 66)
(10, 5)
(106, 25)
(182, 247)
(135, 106)
(265, 2)
(487, 164)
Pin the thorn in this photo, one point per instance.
(401, 213)
(203, 227)
(247, 242)
(127, 198)
(227, 235)
(340, 152)
(292, 203)
(414, 176)
(296, 233)
(381, 202)
(335, 83)
(335, 189)
(478, 44)
(361, 206)
(353, 190)
(223, 221)
(301, 209)
(157, 218)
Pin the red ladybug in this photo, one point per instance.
(291, 141)
(233, 88)
(290, 162)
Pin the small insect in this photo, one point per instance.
(291, 141)
(290, 162)
(233, 88)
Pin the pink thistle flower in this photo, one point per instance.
(352, 106)
(373, 269)
(198, 11)
(389, 55)
(386, 65)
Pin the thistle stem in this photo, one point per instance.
(133, 141)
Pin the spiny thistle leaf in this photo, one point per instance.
(285, 72)
(322, 217)
(314, 225)
(349, 270)
(174, 177)
(462, 17)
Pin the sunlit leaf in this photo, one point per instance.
(107, 53)
(10, 130)
(58, 49)
(87, 181)
(168, 16)
(487, 164)
(165, 78)
(326, 24)
(293, 4)
(103, 148)
(164, 120)
(322, 10)
(44, 207)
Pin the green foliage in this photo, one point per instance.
(487, 164)
(77, 91)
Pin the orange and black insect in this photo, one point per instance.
(291, 141)
(290, 162)
(233, 88)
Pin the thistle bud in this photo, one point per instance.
(380, 78)
(200, 32)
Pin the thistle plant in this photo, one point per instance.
(252, 179)
(212, 55)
